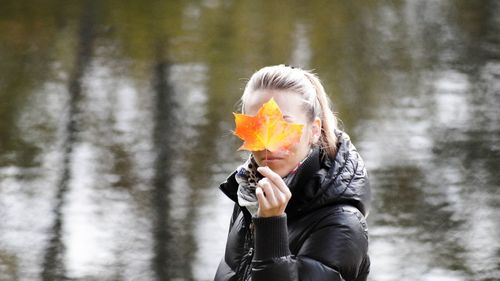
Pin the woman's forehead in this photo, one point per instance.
(290, 103)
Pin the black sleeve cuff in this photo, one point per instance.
(271, 237)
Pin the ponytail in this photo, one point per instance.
(329, 123)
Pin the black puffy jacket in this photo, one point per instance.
(323, 235)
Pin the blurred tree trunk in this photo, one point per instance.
(162, 138)
(53, 267)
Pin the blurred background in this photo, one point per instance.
(116, 119)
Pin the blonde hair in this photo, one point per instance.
(308, 85)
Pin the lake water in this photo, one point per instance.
(116, 119)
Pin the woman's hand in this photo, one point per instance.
(272, 193)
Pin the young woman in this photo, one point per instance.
(297, 215)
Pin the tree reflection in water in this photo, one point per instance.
(53, 267)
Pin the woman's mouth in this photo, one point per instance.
(270, 160)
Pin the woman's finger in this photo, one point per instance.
(263, 204)
(269, 191)
(276, 179)
(281, 197)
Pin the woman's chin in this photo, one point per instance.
(278, 168)
(278, 165)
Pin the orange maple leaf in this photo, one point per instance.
(267, 130)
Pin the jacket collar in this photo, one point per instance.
(230, 187)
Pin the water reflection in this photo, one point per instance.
(53, 267)
(162, 136)
(115, 130)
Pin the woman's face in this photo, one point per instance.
(292, 107)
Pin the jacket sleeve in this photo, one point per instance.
(335, 250)
(224, 270)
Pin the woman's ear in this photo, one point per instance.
(316, 130)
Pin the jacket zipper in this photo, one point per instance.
(246, 262)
